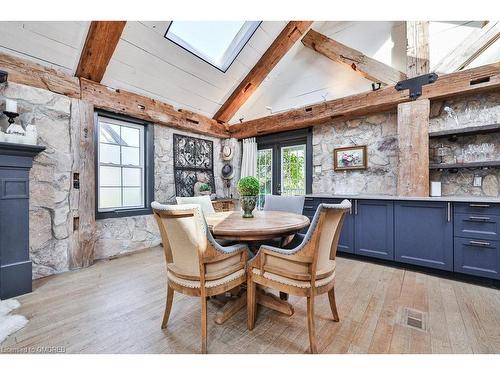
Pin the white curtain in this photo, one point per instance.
(249, 158)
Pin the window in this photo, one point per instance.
(264, 174)
(124, 167)
(216, 42)
(284, 164)
(293, 170)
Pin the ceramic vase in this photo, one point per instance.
(248, 204)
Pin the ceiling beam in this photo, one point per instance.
(417, 48)
(365, 66)
(148, 109)
(281, 45)
(29, 73)
(464, 82)
(102, 39)
(467, 51)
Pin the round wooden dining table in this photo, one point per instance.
(263, 226)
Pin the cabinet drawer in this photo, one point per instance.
(477, 208)
(479, 226)
(477, 257)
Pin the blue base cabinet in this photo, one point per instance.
(460, 237)
(424, 234)
(477, 257)
(374, 229)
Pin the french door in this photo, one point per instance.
(284, 163)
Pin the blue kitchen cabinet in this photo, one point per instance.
(424, 234)
(374, 228)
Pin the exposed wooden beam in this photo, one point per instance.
(82, 200)
(367, 67)
(413, 143)
(30, 73)
(467, 51)
(417, 48)
(281, 45)
(148, 109)
(102, 39)
(464, 82)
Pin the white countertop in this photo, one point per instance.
(472, 199)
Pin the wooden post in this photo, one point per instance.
(417, 48)
(413, 138)
(82, 198)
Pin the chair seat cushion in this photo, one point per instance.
(292, 282)
(209, 284)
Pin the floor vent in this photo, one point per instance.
(414, 319)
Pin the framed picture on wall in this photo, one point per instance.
(350, 158)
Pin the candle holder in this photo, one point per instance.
(11, 116)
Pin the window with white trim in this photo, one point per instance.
(122, 167)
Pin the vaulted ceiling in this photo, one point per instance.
(146, 63)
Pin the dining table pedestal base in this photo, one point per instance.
(264, 298)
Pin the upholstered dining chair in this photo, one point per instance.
(196, 264)
(203, 200)
(306, 269)
(285, 203)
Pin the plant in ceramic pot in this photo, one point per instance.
(205, 189)
(248, 187)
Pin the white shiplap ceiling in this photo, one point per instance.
(145, 62)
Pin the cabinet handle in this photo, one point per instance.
(479, 218)
(350, 208)
(479, 243)
(449, 212)
(355, 207)
(479, 205)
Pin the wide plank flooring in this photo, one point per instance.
(116, 306)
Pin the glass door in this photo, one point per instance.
(293, 170)
(284, 164)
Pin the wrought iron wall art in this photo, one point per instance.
(193, 164)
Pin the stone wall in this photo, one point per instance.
(379, 133)
(50, 178)
(476, 110)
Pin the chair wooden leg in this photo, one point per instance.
(168, 306)
(333, 305)
(251, 304)
(203, 324)
(310, 324)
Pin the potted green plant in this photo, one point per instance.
(205, 189)
(248, 187)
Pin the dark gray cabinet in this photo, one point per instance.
(15, 263)
(423, 234)
(374, 228)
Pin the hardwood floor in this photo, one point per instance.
(117, 307)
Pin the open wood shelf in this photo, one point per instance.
(477, 164)
(471, 130)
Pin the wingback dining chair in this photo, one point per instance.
(196, 264)
(307, 269)
(203, 200)
(293, 204)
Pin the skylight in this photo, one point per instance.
(216, 42)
